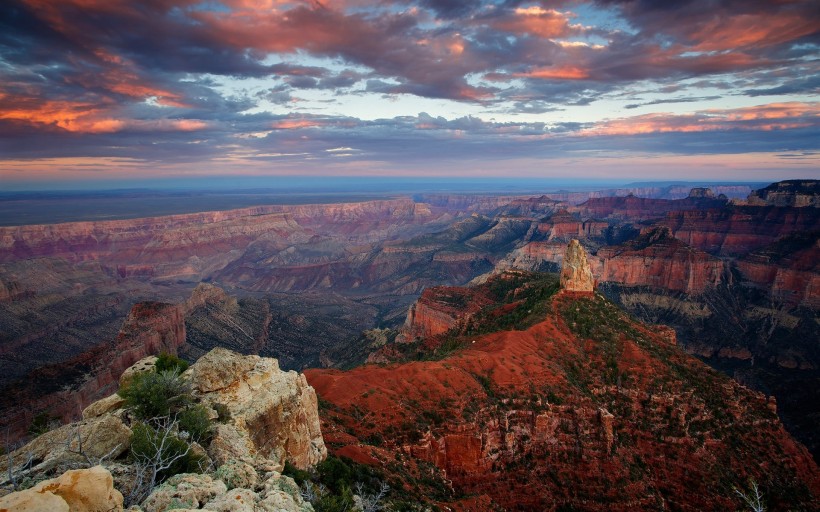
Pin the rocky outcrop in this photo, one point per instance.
(274, 413)
(797, 193)
(576, 275)
(191, 490)
(739, 230)
(277, 493)
(659, 260)
(91, 439)
(440, 309)
(77, 490)
(702, 193)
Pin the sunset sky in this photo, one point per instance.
(97, 90)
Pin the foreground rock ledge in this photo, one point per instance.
(274, 414)
(90, 490)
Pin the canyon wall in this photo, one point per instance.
(63, 390)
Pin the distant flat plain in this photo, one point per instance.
(24, 209)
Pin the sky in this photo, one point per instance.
(93, 91)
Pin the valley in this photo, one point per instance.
(338, 285)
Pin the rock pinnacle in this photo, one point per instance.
(575, 273)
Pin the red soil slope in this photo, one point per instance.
(586, 409)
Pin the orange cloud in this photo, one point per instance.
(85, 117)
(751, 30)
(774, 116)
(295, 124)
(536, 21)
(556, 73)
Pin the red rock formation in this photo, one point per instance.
(657, 259)
(64, 390)
(533, 420)
(440, 309)
(738, 230)
(789, 269)
(635, 209)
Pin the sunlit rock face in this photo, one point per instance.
(274, 412)
(576, 275)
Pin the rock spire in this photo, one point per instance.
(575, 273)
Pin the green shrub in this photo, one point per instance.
(335, 474)
(40, 424)
(338, 502)
(153, 394)
(194, 420)
(223, 412)
(147, 444)
(166, 362)
(298, 475)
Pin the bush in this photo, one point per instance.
(148, 444)
(223, 412)
(334, 473)
(166, 362)
(40, 424)
(194, 420)
(341, 502)
(153, 394)
(299, 475)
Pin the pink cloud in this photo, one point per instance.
(774, 116)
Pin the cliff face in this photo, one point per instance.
(64, 390)
(658, 260)
(584, 409)
(197, 244)
(797, 193)
(788, 269)
(641, 208)
(738, 230)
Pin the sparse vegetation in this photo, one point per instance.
(170, 362)
(156, 394)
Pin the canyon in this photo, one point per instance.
(334, 285)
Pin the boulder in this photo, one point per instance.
(184, 490)
(576, 275)
(87, 440)
(145, 364)
(236, 500)
(77, 490)
(100, 407)
(30, 501)
(238, 475)
(274, 414)
(282, 494)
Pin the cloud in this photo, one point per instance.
(183, 80)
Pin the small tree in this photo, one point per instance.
(372, 502)
(159, 450)
(753, 498)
